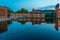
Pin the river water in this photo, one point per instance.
(27, 31)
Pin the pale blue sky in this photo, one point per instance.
(28, 4)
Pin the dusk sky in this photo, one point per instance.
(28, 4)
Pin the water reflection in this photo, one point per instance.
(43, 31)
(3, 26)
(56, 27)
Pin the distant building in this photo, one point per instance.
(34, 13)
(47, 11)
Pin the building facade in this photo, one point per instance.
(3, 15)
(35, 14)
(3, 12)
(57, 15)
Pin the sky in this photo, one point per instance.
(27, 4)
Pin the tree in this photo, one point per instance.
(47, 16)
(23, 10)
(50, 17)
(9, 10)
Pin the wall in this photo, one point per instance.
(3, 12)
(29, 15)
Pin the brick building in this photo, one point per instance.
(57, 15)
(34, 13)
(3, 12)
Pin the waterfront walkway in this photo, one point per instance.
(23, 17)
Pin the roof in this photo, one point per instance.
(3, 7)
(47, 11)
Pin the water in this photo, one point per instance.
(27, 31)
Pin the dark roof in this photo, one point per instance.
(47, 11)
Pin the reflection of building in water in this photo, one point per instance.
(3, 14)
(3, 26)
